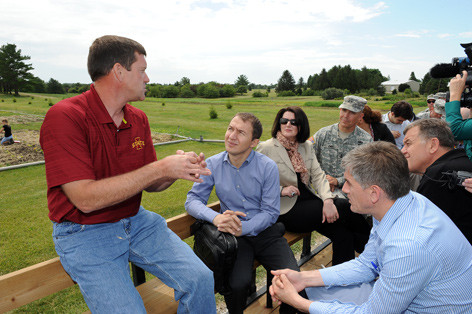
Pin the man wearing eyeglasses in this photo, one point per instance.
(333, 142)
(430, 112)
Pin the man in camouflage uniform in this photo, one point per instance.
(435, 109)
(333, 142)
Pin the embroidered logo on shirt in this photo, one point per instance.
(138, 144)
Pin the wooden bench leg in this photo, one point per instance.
(139, 276)
(306, 249)
(268, 298)
(252, 287)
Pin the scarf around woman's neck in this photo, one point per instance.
(297, 161)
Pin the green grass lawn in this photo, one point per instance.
(25, 233)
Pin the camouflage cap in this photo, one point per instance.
(440, 95)
(431, 96)
(353, 103)
(440, 106)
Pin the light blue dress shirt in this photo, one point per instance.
(423, 263)
(253, 189)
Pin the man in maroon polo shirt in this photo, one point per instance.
(99, 158)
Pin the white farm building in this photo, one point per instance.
(390, 86)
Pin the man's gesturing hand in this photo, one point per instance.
(186, 165)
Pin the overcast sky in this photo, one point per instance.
(217, 40)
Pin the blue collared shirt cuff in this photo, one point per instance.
(328, 276)
(318, 308)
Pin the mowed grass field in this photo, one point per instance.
(25, 230)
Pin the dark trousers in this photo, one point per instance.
(348, 234)
(271, 249)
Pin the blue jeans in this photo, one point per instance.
(97, 258)
(6, 139)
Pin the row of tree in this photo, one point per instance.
(15, 75)
(344, 78)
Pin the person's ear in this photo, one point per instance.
(254, 142)
(118, 71)
(375, 193)
(433, 145)
(361, 116)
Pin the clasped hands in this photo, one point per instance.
(285, 287)
(229, 222)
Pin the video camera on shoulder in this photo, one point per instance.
(458, 64)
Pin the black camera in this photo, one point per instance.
(459, 64)
(455, 178)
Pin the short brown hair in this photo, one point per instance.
(379, 163)
(256, 123)
(107, 50)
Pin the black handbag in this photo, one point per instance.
(218, 250)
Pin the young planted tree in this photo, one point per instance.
(286, 82)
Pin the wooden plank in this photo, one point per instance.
(259, 307)
(158, 298)
(215, 206)
(180, 224)
(32, 283)
(323, 258)
(293, 238)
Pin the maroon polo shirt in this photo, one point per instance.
(80, 141)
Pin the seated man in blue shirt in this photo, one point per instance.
(422, 262)
(247, 185)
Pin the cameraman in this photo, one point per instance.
(462, 129)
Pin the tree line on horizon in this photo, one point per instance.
(15, 76)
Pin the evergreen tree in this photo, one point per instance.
(14, 72)
(34, 85)
(286, 82)
(54, 87)
(300, 86)
(322, 81)
(413, 77)
(346, 78)
(184, 81)
(431, 85)
(242, 80)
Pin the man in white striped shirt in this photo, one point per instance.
(416, 259)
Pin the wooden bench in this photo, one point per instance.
(40, 280)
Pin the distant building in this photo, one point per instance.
(390, 86)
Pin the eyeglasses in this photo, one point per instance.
(431, 101)
(285, 121)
